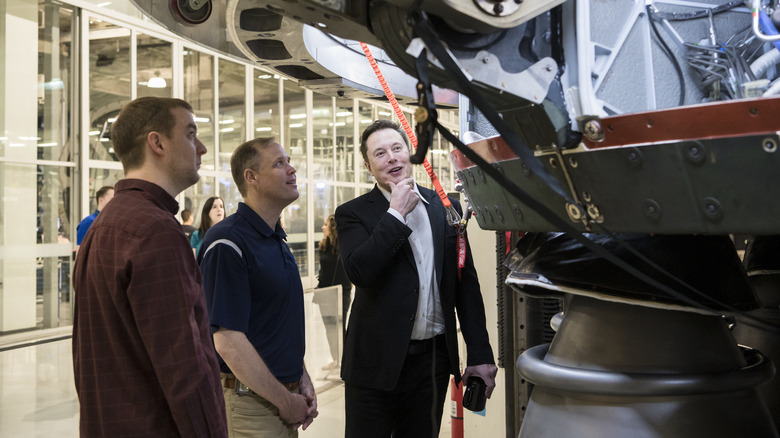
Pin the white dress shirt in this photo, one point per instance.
(429, 320)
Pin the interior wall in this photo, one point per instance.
(492, 423)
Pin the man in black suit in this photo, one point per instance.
(401, 254)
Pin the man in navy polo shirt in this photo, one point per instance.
(255, 300)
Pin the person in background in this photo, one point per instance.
(255, 300)
(186, 222)
(212, 213)
(332, 273)
(103, 196)
(143, 361)
(401, 253)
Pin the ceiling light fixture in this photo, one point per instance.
(156, 81)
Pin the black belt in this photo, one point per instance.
(425, 345)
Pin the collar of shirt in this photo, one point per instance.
(416, 190)
(158, 193)
(258, 223)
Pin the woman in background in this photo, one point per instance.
(332, 273)
(212, 213)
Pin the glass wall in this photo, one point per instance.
(54, 170)
(323, 156)
(36, 163)
(266, 98)
(232, 111)
(198, 78)
(55, 142)
(294, 125)
(110, 85)
(365, 117)
(344, 130)
(155, 67)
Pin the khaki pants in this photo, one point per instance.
(254, 416)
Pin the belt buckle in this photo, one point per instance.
(230, 381)
(242, 389)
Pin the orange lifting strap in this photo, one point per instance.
(409, 132)
(453, 217)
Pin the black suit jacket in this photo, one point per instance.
(378, 260)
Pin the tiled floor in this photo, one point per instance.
(37, 397)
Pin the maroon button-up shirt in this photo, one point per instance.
(143, 358)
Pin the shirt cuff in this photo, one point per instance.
(396, 215)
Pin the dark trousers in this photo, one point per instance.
(412, 409)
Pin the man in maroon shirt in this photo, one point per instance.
(143, 359)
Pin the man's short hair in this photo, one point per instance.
(185, 215)
(379, 125)
(102, 192)
(247, 156)
(136, 120)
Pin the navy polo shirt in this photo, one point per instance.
(83, 226)
(253, 286)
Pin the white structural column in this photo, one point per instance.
(18, 149)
